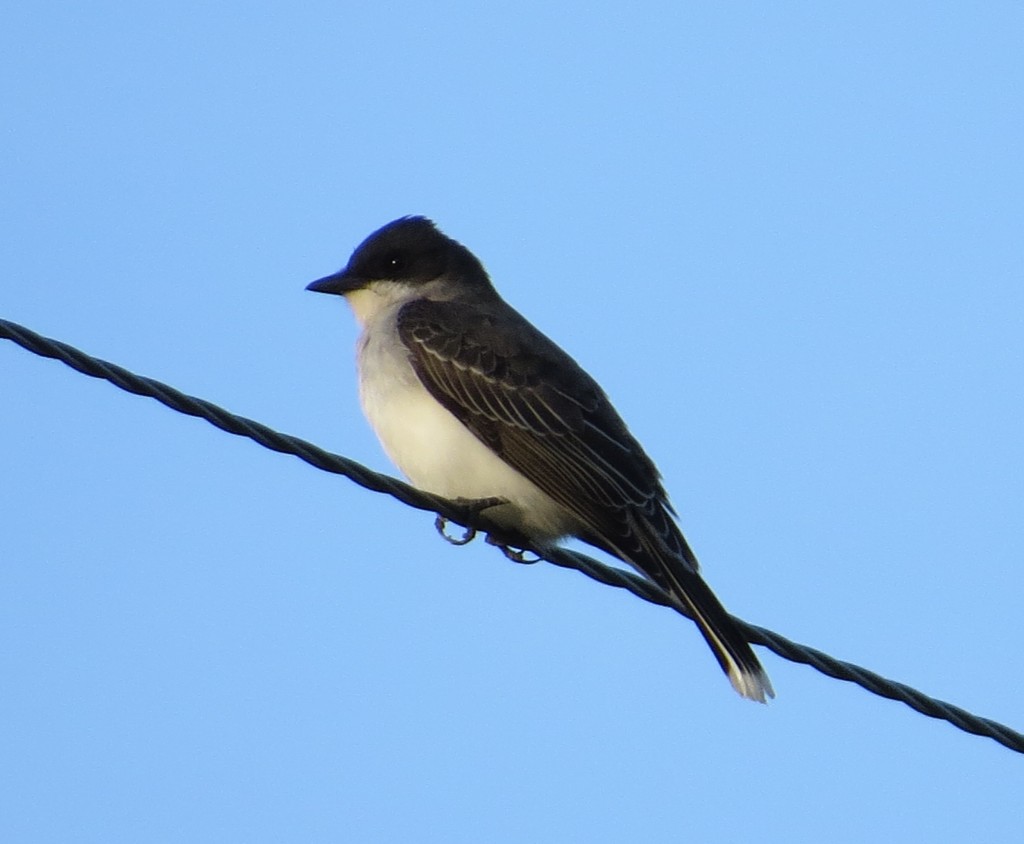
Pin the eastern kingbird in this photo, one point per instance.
(471, 401)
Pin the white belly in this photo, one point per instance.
(435, 451)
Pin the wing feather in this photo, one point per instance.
(509, 385)
(544, 416)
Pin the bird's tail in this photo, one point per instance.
(653, 545)
(728, 644)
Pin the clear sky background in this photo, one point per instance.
(786, 238)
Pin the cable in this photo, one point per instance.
(467, 515)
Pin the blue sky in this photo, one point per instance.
(787, 240)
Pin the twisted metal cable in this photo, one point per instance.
(469, 516)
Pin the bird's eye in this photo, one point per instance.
(395, 262)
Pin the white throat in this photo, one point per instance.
(377, 297)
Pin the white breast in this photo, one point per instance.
(432, 448)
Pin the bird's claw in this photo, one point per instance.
(475, 506)
(516, 555)
(468, 535)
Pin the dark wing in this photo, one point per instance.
(538, 410)
(544, 416)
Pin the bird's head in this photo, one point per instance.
(409, 258)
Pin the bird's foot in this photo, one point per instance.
(511, 550)
(475, 506)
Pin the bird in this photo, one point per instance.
(473, 403)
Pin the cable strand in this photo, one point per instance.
(465, 514)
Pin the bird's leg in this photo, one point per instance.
(516, 555)
(475, 506)
(511, 545)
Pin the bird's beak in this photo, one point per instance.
(339, 283)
